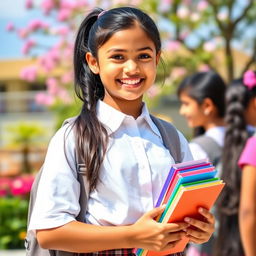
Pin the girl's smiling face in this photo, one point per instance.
(126, 64)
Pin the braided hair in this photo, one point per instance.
(238, 97)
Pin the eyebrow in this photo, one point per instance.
(122, 50)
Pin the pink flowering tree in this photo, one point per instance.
(195, 33)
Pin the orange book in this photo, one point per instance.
(186, 203)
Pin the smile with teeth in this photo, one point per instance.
(130, 81)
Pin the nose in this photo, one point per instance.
(131, 67)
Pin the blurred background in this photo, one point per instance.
(36, 76)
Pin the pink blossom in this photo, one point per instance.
(64, 14)
(27, 46)
(202, 5)
(67, 78)
(81, 3)
(249, 79)
(164, 5)
(63, 31)
(63, 95)
(29, 73)
(21, 185)
(209, 46)
(47, 6)
(183, 12)
(37, 24)
(10, 26)
(178, 72)
(23, 33)
(222, 16)
(29, 4)
(50, 60)
(52, 86)
(68, 53)
(203, 68)
(65, 4)
(173, 45)
(44, 99)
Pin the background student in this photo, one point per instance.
(247, 161)
(247, 208)
(202, 97)
(240, 113)
(115, 60)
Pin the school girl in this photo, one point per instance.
(115, 59)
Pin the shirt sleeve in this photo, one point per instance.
(248, 155)
(197, 151)
(57, 200)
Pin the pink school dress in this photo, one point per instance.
(248, 155)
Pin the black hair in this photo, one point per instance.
(238, 97)
(94, 31)
(202, 85)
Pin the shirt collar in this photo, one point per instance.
(112, 118)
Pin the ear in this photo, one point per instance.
(208, 106)
(158, 56)
(92, 63)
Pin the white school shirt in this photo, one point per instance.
(132, 174)
(216, 133)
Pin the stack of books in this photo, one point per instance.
(188, 186)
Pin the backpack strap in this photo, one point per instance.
(170, 138)
(80, 168)
(210, 146)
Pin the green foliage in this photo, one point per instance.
(64, 111)
(13, 220)
(25, 133)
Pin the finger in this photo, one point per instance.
(196, 240)
(174, 227)
(175, 236)
(197, 234)
(155, 211)
(170, 245)
(204, 226)
(209, 216)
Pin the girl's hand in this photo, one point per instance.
(201, 231)
(152, 235)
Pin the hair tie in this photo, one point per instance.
(249, 79)
(101, 13)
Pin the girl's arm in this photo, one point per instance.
(145, 233)
(247, 211)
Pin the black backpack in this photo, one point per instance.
(171, 141)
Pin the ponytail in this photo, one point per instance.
(94, 31)
(91, 136)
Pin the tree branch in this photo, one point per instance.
(244, 13)
(252, 59)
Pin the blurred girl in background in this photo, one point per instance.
(240, 114)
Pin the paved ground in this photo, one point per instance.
(12, 253)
